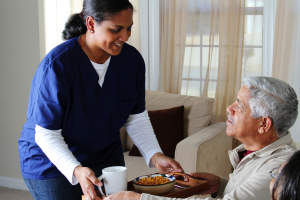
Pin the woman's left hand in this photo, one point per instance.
(124, 195)
(165, 164)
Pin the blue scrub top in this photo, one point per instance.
(65, 94)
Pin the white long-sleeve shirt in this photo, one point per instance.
(138, 127)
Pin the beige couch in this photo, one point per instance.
(205, 147)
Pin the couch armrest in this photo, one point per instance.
(206, 151)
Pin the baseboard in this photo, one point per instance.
(13, 183)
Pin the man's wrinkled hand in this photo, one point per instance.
(213, 180)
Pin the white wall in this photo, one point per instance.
(19, 58)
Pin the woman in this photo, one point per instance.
(83, 92)
(286, 180)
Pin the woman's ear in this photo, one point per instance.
(90, 22)
(265, 125)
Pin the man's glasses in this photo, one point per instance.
(274, 172)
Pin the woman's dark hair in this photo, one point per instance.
(100, 10)
(288, 180)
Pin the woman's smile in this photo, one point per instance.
(118, 45)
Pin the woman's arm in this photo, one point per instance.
(53, 145)
(142, 134)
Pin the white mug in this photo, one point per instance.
(115, 179)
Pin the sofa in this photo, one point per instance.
(205, 145)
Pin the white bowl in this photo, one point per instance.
(159, 190)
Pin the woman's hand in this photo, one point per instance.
(87, 180)
(165, 164)
(213, 180)
(124, 195)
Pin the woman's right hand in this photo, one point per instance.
(87, 180)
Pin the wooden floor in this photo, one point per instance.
(13, 194)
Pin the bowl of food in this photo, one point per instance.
(156, 184)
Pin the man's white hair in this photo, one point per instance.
(274, 98)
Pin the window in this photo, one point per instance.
(197, 46)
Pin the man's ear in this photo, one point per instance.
(265, 125)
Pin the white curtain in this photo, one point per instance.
(135, 38)
(173, 36)
(269, 16)
(223, 45)
(286, 53)
(55, 13)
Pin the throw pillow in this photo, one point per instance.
(168, 128)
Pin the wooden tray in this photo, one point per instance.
(189, 186)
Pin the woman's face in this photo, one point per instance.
(110, 35)
(278, 188)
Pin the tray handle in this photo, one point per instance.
(185, 179)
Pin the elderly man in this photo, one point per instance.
(264, 110)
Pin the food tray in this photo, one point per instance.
(185, 186)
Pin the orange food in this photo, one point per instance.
(157, 180)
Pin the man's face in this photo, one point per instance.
(240, 124)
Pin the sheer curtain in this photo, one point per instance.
(55, 14)
(286, 59)
(173, 34)
(223, 45)
(226, 38)
(135, 38)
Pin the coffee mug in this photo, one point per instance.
(115, 179)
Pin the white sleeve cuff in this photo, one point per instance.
(53, 145)
(141, 133)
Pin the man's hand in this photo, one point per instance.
(87, 180)
(165, 164)
(213, 180)
(124, 195)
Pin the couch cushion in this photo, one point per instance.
(197, 110)
(168, 128)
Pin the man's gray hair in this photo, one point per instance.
(274, 98)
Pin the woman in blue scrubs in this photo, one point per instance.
(82, 93)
